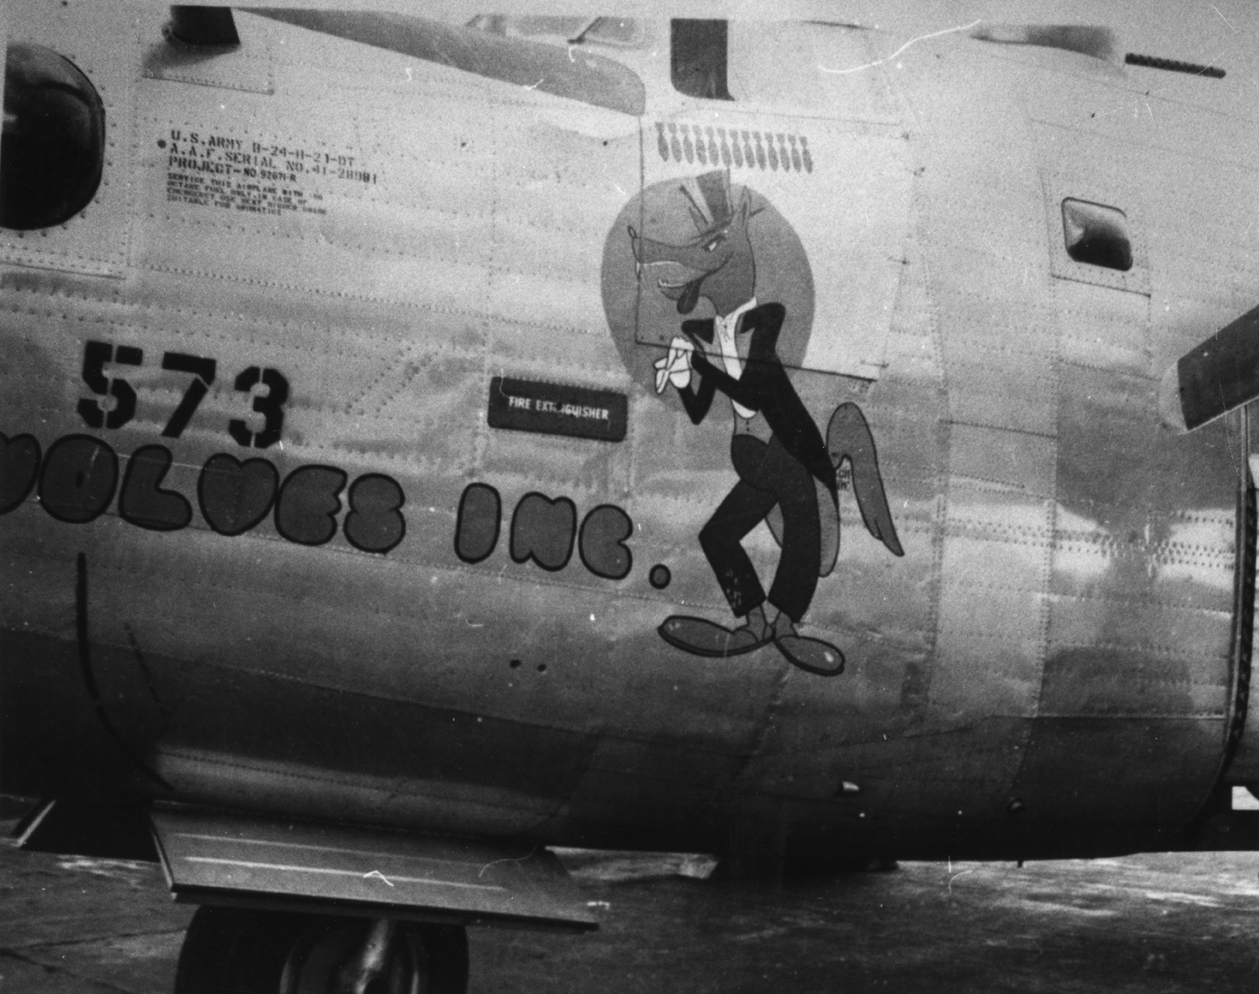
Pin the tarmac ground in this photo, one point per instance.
(1157, 924)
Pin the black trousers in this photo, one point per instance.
(768, 475)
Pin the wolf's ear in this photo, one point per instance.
(634, 242)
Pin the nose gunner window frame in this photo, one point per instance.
(95, 240)
(52, 154)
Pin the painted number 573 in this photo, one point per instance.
(114, 403)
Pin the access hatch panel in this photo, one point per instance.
(224, 858)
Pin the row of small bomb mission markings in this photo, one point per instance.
(78, 477)
(738, 147)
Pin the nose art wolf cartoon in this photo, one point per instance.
(790, 480)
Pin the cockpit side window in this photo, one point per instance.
(698, 58)
(1096, 234)
(53, 149)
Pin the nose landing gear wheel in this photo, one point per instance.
(231, 951)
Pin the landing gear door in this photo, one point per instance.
(1243, 742)
(826, 199)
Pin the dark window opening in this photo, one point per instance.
(698, 59)
(53, 148)
(203, 26)
(1096, 234)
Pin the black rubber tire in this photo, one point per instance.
(234, 951)
(229, 949)
(447, 949)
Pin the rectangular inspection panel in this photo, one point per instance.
(225, 858)
(1222, 373)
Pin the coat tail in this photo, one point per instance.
(848, 437)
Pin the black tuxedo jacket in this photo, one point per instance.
(764, 387)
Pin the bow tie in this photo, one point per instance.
(728, 325)
(730, 322)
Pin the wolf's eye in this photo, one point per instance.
(714, 242)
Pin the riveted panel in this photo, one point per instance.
(95, 240)
(1091, 190)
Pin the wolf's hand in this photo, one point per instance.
(675, 368)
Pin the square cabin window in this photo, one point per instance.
(1096, 235)
(698, 56)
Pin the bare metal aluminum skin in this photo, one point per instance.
(440, 543)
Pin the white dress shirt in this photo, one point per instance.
(726, 328)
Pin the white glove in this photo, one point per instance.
(675, 368)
